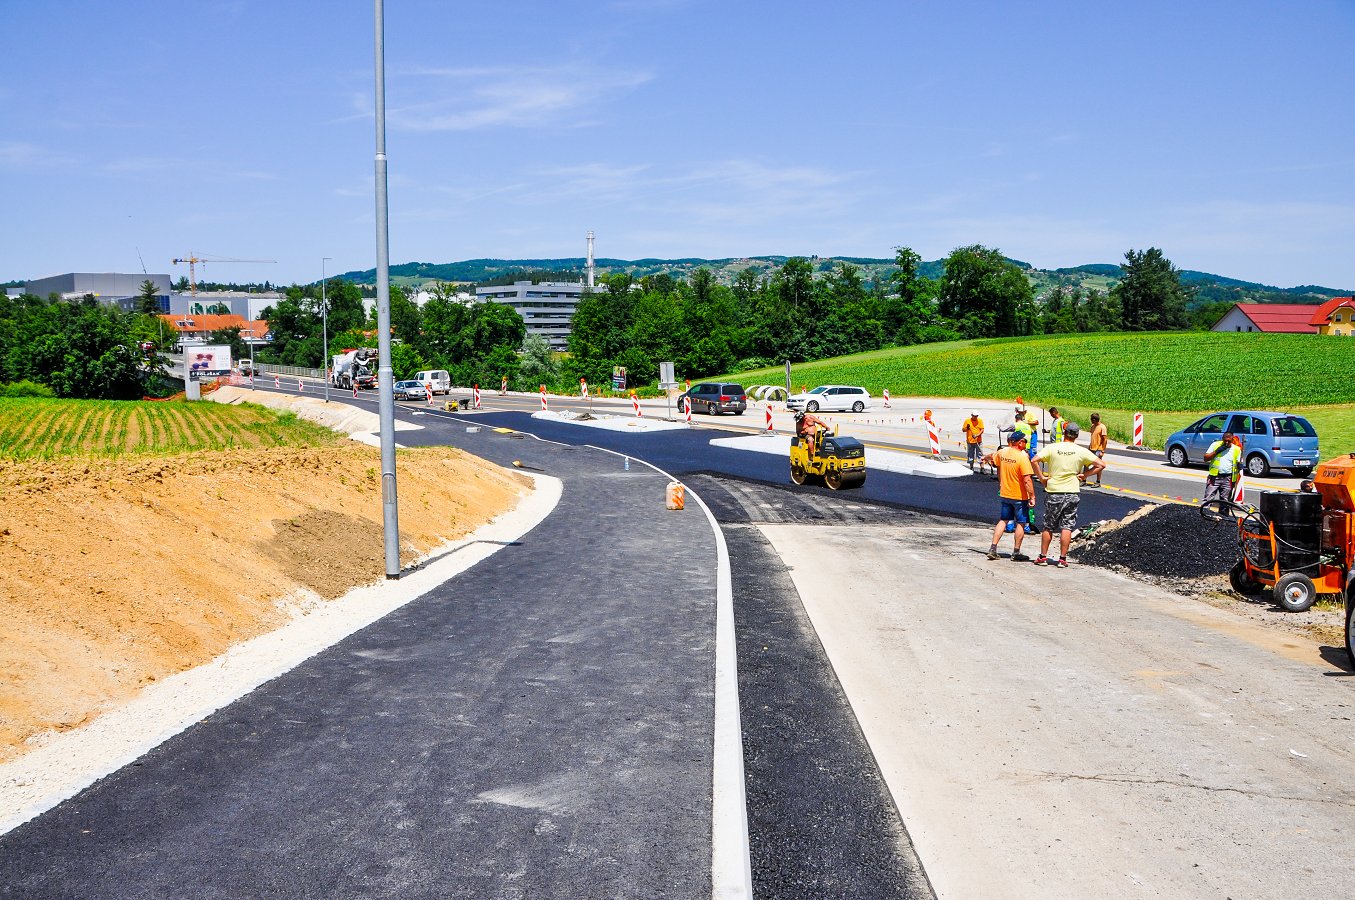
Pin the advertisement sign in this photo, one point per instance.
(207, 361)
(619, 378)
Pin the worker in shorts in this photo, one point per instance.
(1016, 491)
(1098, 444)
(1225, 467)
(1062, 468)
(973, 438)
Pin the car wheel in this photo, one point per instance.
(1350, 628)
(713, 408)
(858, 406)
(1295, 592)
(812, 406)
(1303, 472)
(1177, 456)
(1258, 466)
(1241, 581)
(797, 474)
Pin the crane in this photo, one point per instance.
(193, 260)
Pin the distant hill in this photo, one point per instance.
(1101, 276)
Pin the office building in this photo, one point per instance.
(546, 308)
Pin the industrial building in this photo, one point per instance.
(238, 303)
(120, 289)
(547, 308)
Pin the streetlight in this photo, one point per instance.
(324, 324)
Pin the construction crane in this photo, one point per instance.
(193, 260)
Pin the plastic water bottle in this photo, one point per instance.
(627, 463)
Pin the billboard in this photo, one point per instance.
(207, 361)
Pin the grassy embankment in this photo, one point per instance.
(32, 428)
(1173, 378)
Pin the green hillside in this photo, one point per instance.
(1100, 276)
(1173, 377)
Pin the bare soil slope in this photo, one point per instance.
(116, 573)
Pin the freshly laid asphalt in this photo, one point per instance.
(540, 725)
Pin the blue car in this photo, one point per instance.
(1270, 440)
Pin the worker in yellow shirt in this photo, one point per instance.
(973, 438)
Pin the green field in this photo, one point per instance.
(1172, 377)
(41, 428)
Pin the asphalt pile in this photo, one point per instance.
(1171, 540)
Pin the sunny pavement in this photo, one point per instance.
(539, 726)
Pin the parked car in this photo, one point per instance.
(1270, 440)
(409, 390)
(831, 398)
(247, 368)
(716, 397)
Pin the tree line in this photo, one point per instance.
(85, 349)
(708, 328)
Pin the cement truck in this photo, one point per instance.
(354, 367)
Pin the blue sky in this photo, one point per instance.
(1061, 133)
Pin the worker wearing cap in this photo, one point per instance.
(1225, 467)
(1067, 466)
(1016, 491)
(973, 438)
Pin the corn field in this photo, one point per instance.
(43, 428)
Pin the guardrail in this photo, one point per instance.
(294, 371)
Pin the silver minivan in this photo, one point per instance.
(1270, 440)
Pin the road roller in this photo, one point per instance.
(1301, 545)
(839, 461)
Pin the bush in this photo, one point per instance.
(26, 388)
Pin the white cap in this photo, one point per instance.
(974, 413)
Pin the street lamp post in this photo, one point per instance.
(324, 324)
(390, 500)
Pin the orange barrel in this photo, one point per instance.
(676, 495)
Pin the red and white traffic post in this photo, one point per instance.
(301, 385)
(1138, 430)
(887, 406)
(475, 393)
(583, 388)
(543, 398)
(355, 389)
(277, 381)
(687, 409)
(770, 429)
(635, 402)
(933, 435)
(503, 385)
(428, 391)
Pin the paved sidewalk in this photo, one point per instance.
(539, 726)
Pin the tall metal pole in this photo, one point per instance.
(324, 325)
(389, 499)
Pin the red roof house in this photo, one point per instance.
(1280, 318)
(1335, 317)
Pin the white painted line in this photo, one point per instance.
(731, 867)
(67, 763)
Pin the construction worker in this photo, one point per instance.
(1056, 425)
(1099, 441)
(973, 438)
(1016, 492)
(1066, 462)
(1033, 429)
(1225, 467)
(807, 427)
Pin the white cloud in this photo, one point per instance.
(21, 155)
(152, 165)
(470, 99)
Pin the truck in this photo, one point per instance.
(354, 367)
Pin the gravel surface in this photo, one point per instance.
(1171, 540)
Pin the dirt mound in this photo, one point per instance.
(116, 573)
(1170, 540)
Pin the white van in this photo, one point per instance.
(438, 378)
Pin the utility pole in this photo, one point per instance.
(324, 324)
(386, 402)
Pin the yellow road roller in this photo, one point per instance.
(839, 461)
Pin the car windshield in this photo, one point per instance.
(1293, 426)
(819, 390)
